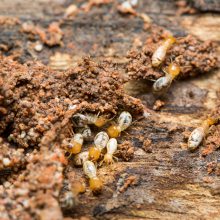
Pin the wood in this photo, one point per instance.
(171, 183)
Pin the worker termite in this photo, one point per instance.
(97, 120)
(74, 145)
(163, 83)
(199, 133)
(89, 169)
(124, 121)
(80, 158)
(100, 142)
(160, 53)
(67, 200)
(86, 133)
(80, 120)
(68, 196)
(111, 149)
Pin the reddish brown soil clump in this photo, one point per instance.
(37, 103)
(36, 107)
(193, 56)
(126, 150)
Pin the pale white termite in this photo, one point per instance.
(196, 138)
(100, 142)
(74, 145)
(67, 200)
(199, 133)
(160, 53)
(97, 120)
(80, 158)
(124, 121)
(86, 133)
(163, 83)
(80, 120)
(89, 169)
(111, 149)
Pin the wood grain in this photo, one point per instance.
(170, 180)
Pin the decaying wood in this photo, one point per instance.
(163, 180)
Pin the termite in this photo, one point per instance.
(163, 83)
(124, 121)
(67, 200)
(100, 142)
(89, 169)
(74, 145)
(97, 120)
(86, 133)
(199, 133)
(160, 53)
(111, 149)
(80, 120)
(80, 158)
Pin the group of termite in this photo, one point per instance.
(163, 83)
(105, 143)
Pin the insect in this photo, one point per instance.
(89, 169)
(199, 133)
(86, 133)
(80, 158)
(163, 83)
(160, 53)
(100, 142)
(97, 120)
(74, 145)
(124, 121)
(111, 149)
(67, 200)
(80, 120)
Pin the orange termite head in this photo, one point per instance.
(75, 144)
(95, 184)
(173, 69)
(211, 121)
(94, 153)
(114, 131)
(74, 148)
(208, 122)
(171, 39)
(100, 121)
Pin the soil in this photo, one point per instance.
(95, 58)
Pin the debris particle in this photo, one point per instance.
(126, 8)
(147, 146)
(158, 105)
(126, 150)
(71, 11)
(129, 181)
